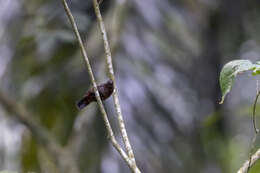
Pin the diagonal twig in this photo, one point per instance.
(253, 157)
(101, 106)
(254, 112)
(128, 147)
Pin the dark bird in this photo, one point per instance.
(105, 90)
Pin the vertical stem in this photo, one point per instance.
(256, 131)
(112, 76)
(254, 112)
(101, 106)
(86, 60)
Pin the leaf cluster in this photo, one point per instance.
(231, 70)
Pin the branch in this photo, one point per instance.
(254, 112)
(41, 135)
(112, 76)
(253, 159)
(100, 104)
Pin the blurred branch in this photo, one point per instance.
(21, 114)
(118, 19)
(41, 135)
(115, 95)
(101, 106)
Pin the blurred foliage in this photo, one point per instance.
(167, 56)
(7, 172)
(29, 154)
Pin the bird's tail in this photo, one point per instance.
(82, 103)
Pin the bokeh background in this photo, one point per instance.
(167, 56)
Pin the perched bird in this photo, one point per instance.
(105, 90)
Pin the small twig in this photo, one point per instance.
(254, 112)
(112, 76)
(101, 106)
(256, 131)
(254, 158)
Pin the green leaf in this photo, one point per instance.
(230, 71)
(256, 69)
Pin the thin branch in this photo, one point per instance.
(256, 130)
(41, 135)
(254, 112)
(254, 158)
(104, 114)
(112, 76)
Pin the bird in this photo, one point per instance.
(105, 90)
